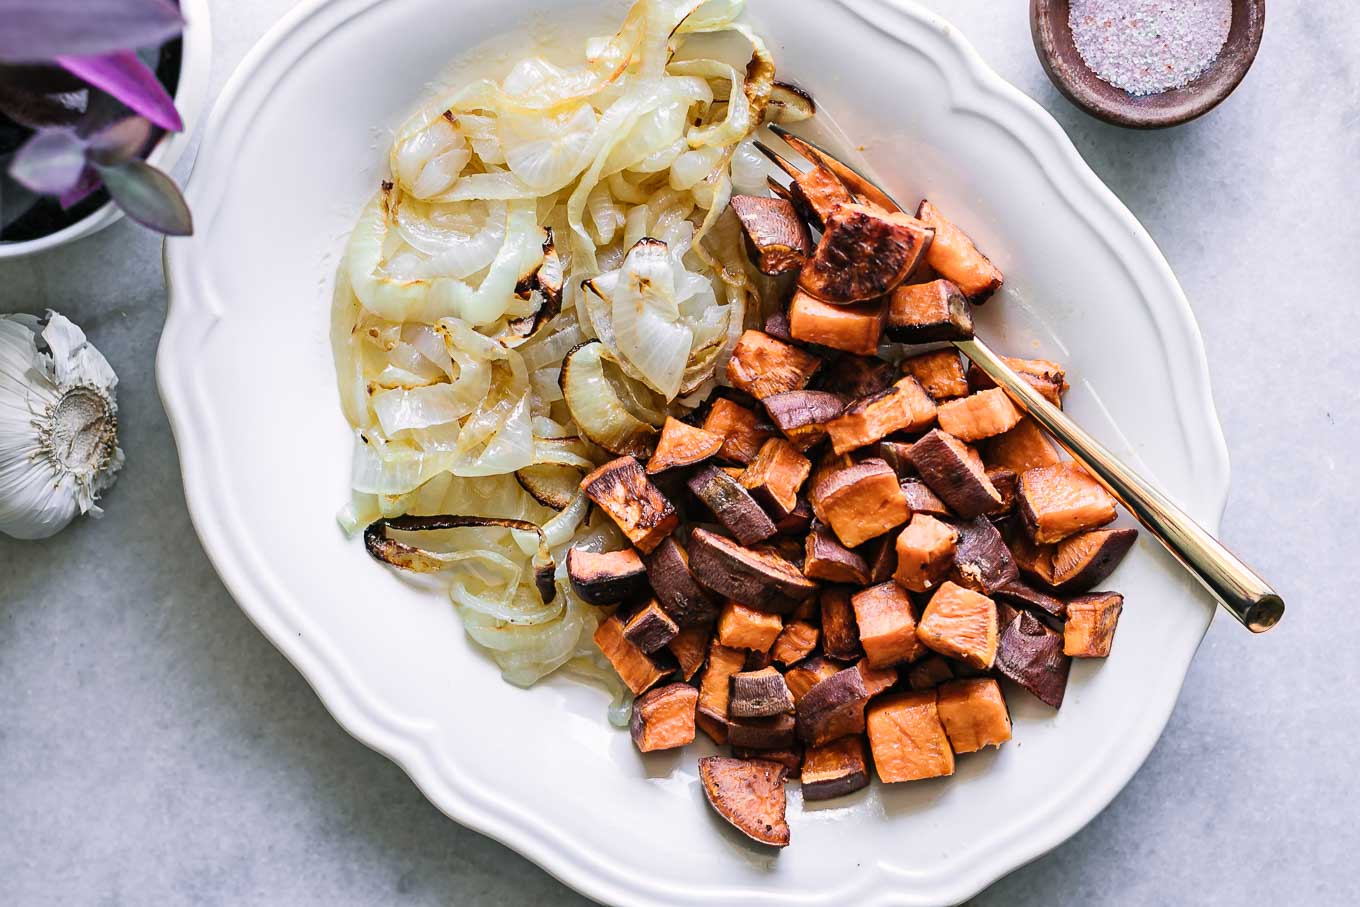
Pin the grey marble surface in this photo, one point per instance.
(155, 749)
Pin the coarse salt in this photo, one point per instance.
(1149, 46)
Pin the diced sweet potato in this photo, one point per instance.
(929, 313)
(777, 325)
(860, 502)
(1031, 654)
(776, 475)
(621, 489)
(858, 376)
(833, 708)
(907, 738)
(940, 373)
(757, 660)
(756, 577)
(663, 719)
(608, 577)
(904, 407)
(834, 769)
(887, 628)
(798, 521)
(650, 628)
(637, 670)
(776, 238)
(796, 641)
(954, 256)
(1048, 378)
(732, 504)
(881, 555)
(925, 552)
(1007, 484)
(777, 732)
(955, 473)
(920, 499)
(827, 559)
(960, 623)
(807, 674)
(929, 673)
(1081, 561)
(854, 328)
(985, 414)
(840, 633)
(974, 714)
(1022, 448)
(864, 253)
(876, 680)
(816, 192)
(1058, 501)
(791, 758)
(749, 794)
(682, 445)
(1091, 622)
(740, 627)
(676, 588)
(897, 454)
(762, 366)
(740, 429)
(759, 694)
(803, 415)
(982, 562)
(690, 648)
(715, 689)
(1022, 593)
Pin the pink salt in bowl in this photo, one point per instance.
(1057, 48)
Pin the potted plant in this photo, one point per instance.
(96, 101)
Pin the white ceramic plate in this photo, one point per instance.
(295, 147)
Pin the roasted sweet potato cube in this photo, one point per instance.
(920, 499)
(955, 473)
(1022, 593)
(777, 732)
(807, 674)
(676, 588)
(621, 489)
(1031, 654)
(982, 562)
(974, 713)
(887, 628)
(854, 328)
(954, 256)
(608, 577)
(715, 689)
(740, 428)
(827, 559)
(960, 623)
(776, 238)
(858, 376)
(1083, 560)
(682, 445)
(1091, 622)
(925, 552)
(1023, 448)
(881, 555)
(840, 633)
(732, 504)
(939, 372)
(762, 366)
(860, 502)
(740, 627)
(1048, 378)
(756, 577)
(985, 414)
(834, 769)
(929, 313)
(759, 694)
(929, 673)
(1007, 484)
(749, 794)
(897, 454)
(690, 648)
(798, 521)
(876, 680)
(637, 670)
(908, 739)
(833, 708)
(864, 253)
(803, 415)
(796, 641)
(1058, 501)
(817, 192)
(663, 719)
(904, 407)
(776, 475)
(791, 758)
(650, 628)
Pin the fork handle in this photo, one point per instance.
(1236, 586)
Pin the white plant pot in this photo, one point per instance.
(190, 95)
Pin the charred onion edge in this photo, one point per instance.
(640, 442)
(417, 560)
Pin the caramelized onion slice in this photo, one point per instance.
(600, 415)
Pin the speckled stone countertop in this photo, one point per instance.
(155, 749)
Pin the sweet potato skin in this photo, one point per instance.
(608, 577)
(840, 633)
(827, 559)
(864, 253)
(974, 714)
(749, 794)
(621, 489)
(762, 366)
(777, 240)
(759, 578)
(947, 465)
(907, 739)
(663, 718)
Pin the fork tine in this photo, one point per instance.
(779, 160)
(856, 182)
(779, 189)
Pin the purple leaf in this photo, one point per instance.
(131, 81)
(87, 185)
(149, 197)
(119, 142)
(36, 30)
(50, 163)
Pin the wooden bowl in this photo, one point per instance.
(1058, 53)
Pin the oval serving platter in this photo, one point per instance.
(293, 149)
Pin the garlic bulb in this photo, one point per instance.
(58, 425)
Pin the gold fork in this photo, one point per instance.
(1236, 586)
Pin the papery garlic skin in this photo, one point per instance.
(58, 425)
